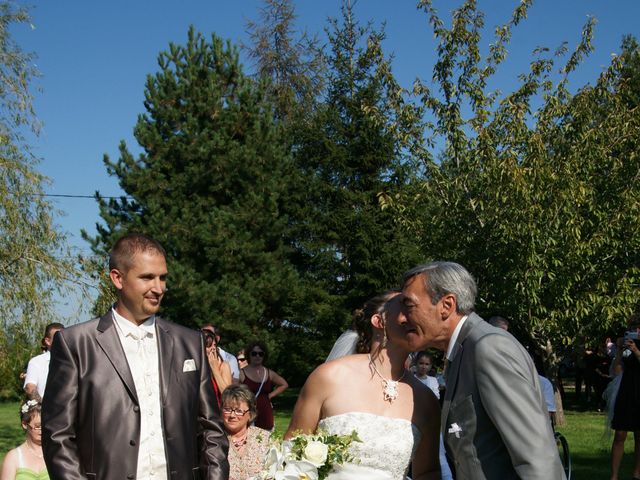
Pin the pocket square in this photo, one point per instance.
(189, 365)
(455, 429)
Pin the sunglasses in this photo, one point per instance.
(257, 354)
(242, 359)
(209, 338)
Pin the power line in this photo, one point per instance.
(75, 196)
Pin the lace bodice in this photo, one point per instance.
(387, 445)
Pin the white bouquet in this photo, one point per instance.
(307, 457)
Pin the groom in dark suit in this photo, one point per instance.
(129, 395)
(494, 419)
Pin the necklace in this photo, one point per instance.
(389, 387)
(240, 442)
(34, 451)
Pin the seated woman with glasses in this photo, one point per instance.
(26, 461)
(263, 382)
(248, 445)
(220, 370)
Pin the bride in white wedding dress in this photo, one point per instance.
(396, 416)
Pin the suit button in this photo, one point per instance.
(136, 408)
(132, 443)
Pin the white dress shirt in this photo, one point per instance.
(141, 349)
(233, 363)
(454, 338)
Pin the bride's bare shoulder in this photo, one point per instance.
(338, 369)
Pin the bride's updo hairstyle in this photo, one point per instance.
(362, 319)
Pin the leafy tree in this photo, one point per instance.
(209, 186)
(629, 78)
(535, 191)
(33, 259)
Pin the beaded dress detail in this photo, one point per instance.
(386, 449)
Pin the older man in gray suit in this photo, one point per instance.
(494, 418)
(129, 395)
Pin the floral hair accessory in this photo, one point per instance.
(28, 405)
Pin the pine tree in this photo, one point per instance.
(209, 185)
(351, 153)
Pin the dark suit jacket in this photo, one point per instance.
(91, 415)
(494, 399)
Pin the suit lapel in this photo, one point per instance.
(453, 372)
(107, 338)
(451, 382)
(165, 354)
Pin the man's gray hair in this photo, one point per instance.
(443, 278)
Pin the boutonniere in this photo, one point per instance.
(455, 429)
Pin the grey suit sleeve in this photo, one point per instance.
(59, 414)
(214, 445)
(510, 393)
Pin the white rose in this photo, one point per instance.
(316, 453)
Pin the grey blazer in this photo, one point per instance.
(91, 414)
(494, 419)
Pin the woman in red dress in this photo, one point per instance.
(263, 382)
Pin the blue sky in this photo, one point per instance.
(94, 58)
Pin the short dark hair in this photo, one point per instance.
(52, 326)
(421, 354)
(123, 251)
(47, 334)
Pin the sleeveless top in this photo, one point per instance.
(386, 450)
(264, 419)
(23, 473)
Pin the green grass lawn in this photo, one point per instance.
(584, 432)
(11, 433)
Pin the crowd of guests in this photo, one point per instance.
(243, 393)
(103, 373)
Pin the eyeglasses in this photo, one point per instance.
(242, 359)
(236, 411)
(255, 353)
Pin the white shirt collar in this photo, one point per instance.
(129, 329)
(454, 337)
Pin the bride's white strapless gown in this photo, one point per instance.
(386, 449)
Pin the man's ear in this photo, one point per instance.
(116, 278)
(449, 305)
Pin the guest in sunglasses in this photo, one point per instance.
(248, 445)
(242, 359)
(220, 370)
(263, 382)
